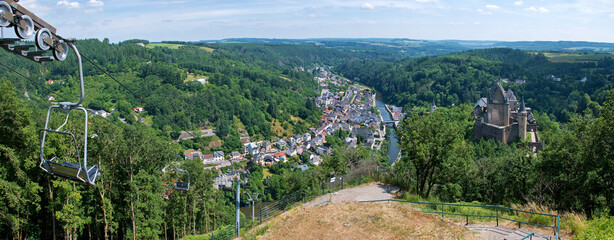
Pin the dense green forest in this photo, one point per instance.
(573, 173)
(243, 83)
(252, 87)
(248, 89)
(465, 77)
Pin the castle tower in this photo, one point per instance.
(497, 106)
(522, 122)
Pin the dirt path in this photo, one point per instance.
(369, 192)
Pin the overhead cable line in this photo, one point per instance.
(141, 99)
(33, 81)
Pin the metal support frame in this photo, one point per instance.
(252, 197)
(84, 173)
(183, 185)
(238, 202)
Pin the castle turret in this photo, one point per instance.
(522, 122)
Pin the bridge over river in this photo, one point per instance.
(393, 150)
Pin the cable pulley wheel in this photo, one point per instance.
(5, 7)
(41, 35)
(61, 51)
(28, 30)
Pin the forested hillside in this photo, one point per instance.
(557, 89)
(237, 90)
(243, 84)
(254, 90)
(443, 159)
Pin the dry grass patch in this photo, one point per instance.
(351, 220)
(278, 128)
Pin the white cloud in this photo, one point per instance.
(95, 3)
(41, 10)
(65, 3)
(476, 23)
(481, 11)
(492, 7)
(537, 9)
(367, 6)
(518, 3)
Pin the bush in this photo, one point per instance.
(600, 228)
(541, 219)
(573, 222)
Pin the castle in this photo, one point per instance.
(501, 117)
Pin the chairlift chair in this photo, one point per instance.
(79, 171)
(181, 183)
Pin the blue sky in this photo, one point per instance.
(191, 20)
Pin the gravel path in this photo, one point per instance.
(369, 192)
(380, 191)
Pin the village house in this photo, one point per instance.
(208, 158)
(315, 160)
(251, 147)
(101, 113)
(218, 156)
(303, 167)
(298, 138)
(235, 155)
(279, 156)
(291, 151)
(192, 154)
(318, 141)
(138, 109)
(268, 160)
(281, 144)
(266, 146)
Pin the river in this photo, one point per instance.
(393, 150)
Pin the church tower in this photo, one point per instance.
(522, 122)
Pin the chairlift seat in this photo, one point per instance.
(182, 186)
(72, 171)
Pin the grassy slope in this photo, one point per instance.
(353, 220)
(575, 57)
(174, 46)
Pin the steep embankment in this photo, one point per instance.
(341, 215)
(353, 220)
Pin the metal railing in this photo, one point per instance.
(439, 209)
(273, 209)
(280, 206)
(530, 236)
